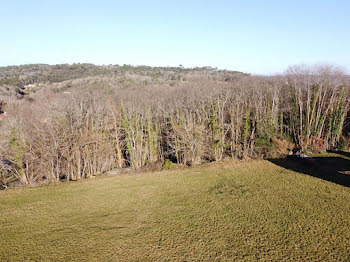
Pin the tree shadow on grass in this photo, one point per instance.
(332, 169)
(343, 153)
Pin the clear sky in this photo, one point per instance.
(260, 37)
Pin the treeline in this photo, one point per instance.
(88, 131)
(18, 76)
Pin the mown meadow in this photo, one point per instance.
(243, 210)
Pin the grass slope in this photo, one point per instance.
(246, 210)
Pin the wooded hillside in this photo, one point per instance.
(68, 122)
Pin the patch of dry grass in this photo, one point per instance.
(245, 210)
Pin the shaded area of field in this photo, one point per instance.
(332, 167)
(244, 210)
(343, 153)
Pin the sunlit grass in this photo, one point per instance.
(245, 210)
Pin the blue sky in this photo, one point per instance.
(260, 37)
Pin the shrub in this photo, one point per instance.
(341, 144)
(168, 164)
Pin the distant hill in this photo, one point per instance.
(12, 77)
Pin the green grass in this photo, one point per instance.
(245, 210)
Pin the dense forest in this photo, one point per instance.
(67, 122)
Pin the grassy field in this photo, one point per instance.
(243, 210)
